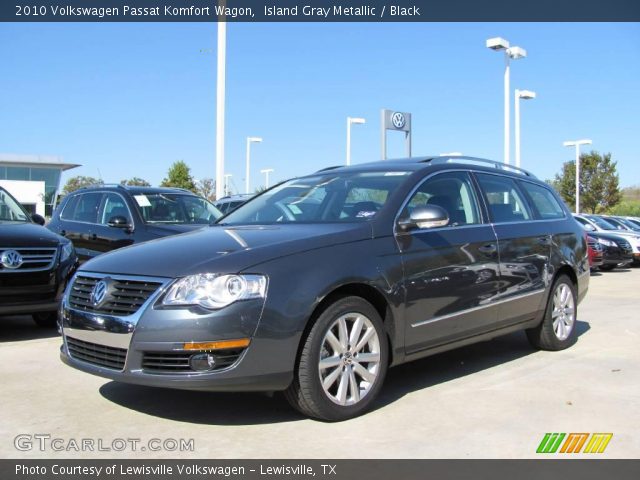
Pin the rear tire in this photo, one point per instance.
(342, 363)
(45, 319)
(557, 330)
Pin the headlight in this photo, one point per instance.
(210, 290)
(67, 251)
(606, 243)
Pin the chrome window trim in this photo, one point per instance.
(479, 307)
(482, 223)
(124, 200)
(133, 224)
(524, 197)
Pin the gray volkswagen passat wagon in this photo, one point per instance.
(321, 283)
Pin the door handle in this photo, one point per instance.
(488, 249)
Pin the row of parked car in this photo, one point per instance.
(35, 261)
(613, 241)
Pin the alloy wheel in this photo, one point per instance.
(349, 361)
(563, 314)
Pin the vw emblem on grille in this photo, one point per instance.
(398, 119)
(11, 259)
(99, 292)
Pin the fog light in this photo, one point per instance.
(202, 362)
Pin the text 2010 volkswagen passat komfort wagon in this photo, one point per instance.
(317, 286)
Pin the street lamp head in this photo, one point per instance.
(526, 94)
(516, 52)
(497, 43)
(357, 120)
(573, 143)
(254, 139)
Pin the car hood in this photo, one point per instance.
(223, 249)
(609, 236)
(164, 229)
(27, 235)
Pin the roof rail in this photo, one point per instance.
(99, 185)
(480, 161)
(329, 168)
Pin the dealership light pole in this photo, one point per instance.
(350, 121)
(266, 172)
(525, 95)
(577, 143)
(250, 140)
(227, 176)
(220, 92)
(510, 53)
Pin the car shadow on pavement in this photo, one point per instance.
(217, 408)
(209, 408)
(458, 363)
(22, 327)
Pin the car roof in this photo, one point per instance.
(431, 162)
(137, 189)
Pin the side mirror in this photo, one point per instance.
(39, 219)
(118, 221)
(429, 216)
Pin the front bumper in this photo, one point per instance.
(265, 365)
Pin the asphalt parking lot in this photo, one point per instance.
(491, 400)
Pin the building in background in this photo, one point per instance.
(24, 175)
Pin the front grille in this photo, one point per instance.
(33, 259)
(124, 296)
(626, 246)
(178, 362)
(101, 355)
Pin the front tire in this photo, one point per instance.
(45, 319)
(608, 268)
(557, 330)
(343, 362)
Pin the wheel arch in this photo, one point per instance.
(366, 292)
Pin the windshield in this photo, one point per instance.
(176, 208)
(602, 223)
(329, 197)
(11, 211)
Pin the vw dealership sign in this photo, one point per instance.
(398, 121)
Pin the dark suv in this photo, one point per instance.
(102, 218)
(316, 286)
(34, 264)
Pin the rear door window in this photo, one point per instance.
(544, 201)
(505, 202)
(85, 208)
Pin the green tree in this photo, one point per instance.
(626, 208)
(206, 187)
(599, 182)
(74, 183)
(179, 176)
(135, 182)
